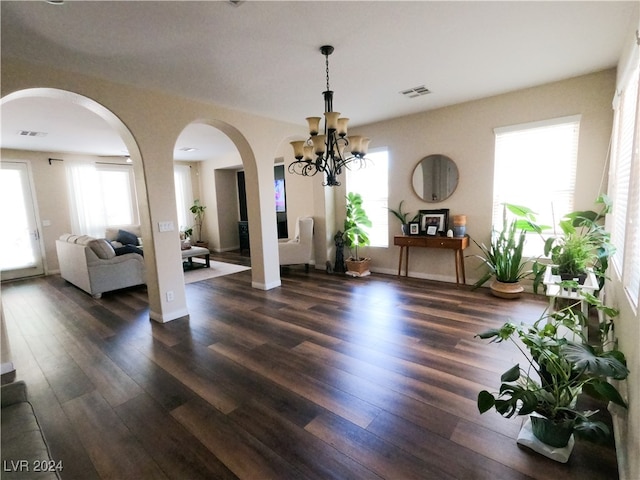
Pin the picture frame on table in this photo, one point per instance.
(434, 222)
(414, 228)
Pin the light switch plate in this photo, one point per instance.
(165, 226)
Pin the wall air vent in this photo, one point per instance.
(415, 91)
(29, 133)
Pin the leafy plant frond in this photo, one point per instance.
(402, 216)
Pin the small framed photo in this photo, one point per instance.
(414, 228)
(433, 222)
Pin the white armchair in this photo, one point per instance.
(298, 250)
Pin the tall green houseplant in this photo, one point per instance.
(198, 214)
(355, 221)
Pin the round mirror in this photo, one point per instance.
(435, 178)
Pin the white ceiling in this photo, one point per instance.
(263, 57)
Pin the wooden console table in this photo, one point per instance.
(457, 244)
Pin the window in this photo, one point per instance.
(117, 185)
(184, 195)
(372, 183)
(100, 196)
(524, 156)
(625, 187)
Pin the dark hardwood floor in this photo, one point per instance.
(326, 377)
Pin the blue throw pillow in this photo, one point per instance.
(127, 238)
(128, 249)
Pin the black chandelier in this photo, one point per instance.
(326, 153)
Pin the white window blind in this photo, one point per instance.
(372, 183)
(535, 166)
(184, 195)
(625, 187)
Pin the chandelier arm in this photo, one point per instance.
(303, 167)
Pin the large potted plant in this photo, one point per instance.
(355, 235)
(504, 257)
(559, 366)
(197, 209)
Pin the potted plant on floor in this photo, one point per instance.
(504, 256)
(403, 216)
(185, 238)
(198, 214)
(355, 235)
(557, 370)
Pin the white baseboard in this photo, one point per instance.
(164, 318)
(265, 286)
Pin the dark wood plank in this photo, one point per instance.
(113, 449)
(178, 453)
(382, 457)
(242, 453)
(315, 458)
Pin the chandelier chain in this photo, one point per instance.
(327, 65)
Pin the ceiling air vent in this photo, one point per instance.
(415, 91)
(29, 133)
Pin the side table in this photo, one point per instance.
(457, 244)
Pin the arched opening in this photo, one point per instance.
(208, 170)
(229, 153)
(61, 110)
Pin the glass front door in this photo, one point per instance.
(20, 251)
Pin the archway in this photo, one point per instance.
(240, 155)
(120, 129)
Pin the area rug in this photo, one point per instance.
(217, 269)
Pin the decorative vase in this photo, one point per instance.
(459, 225)
(509, 290)
(459, 230)
(405, 229)
(459, 220)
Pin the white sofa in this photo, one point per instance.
(92, 265)
(299, 249)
